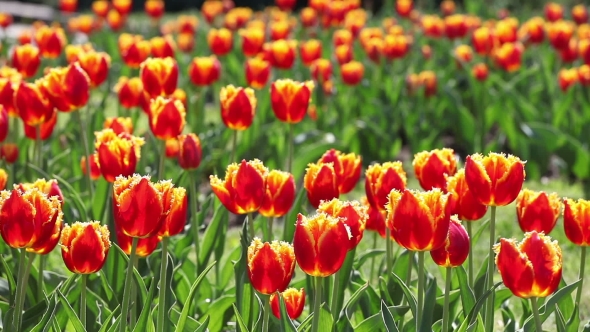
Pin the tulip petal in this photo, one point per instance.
(249, 187)
(515, 268)
(265, 271)
(140, 210)
(478, 181)
(16, 220)
(412, 224)
(87, 251)
(546, 261)
(509, 184)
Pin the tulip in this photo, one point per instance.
(49, 188)
(85, 246)
(204, 71)
(5, 20)
(285, 5)
(134, 50)
(189, 153)
(9, 152)
(463, 54)
(3, 179)
(347, 168)
(580, 14)
(567, 78)
(220, 41)
(428, 80)
(257, 72)
(159, 76)
(211, 9)
(32, 103)
(68, 88)
(167, 117)
(122, 6)
(116, 21)
(395, 47)
(45, 129)
(96, 65)
(252, 41)
(119, 125)
(174, 209)
(154, 8)
(573, 51)
(560, 33)
(509, 56)
(433, 26)
(100, 8)
(145, 246)
(533, 31)
(7, 88)
(404, 7)
(381, 179)
(94, 169)
(50, 41)
(243, 189)
(185, 41)
(130, 91)
(279, 195)
(26, 59)
(576, 220)
(294, 302)
(281, 53)
(3, 123)
(308, 17)
(537, 211)
(432, 167)
(455, 26)
(456, 247)
(352, 214)
(507, 30)
(343, 54)
(172, 148)
(352, 72)
(484, 40)
(290, 99)
(553, 12)
(117, 154)
(583, 75)
(310, 51)
(238, 107)
(162, 47)
(321, 70)
(270, 265)
(480, 71)
(321, 183)
(187, 24)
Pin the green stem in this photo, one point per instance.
(38, 147)
(78, 116)
(162, 159)
(41, 268)
(581, 276)
(470, 257)
(83, 300)
(371, 275)
(335, 287)
(538, 323)
(420, 287)
(251, 225)
(128, 285)
(291, 148)
(266, 314)
(269, 221)
(409, 274)
(195, 218)
(446, 321)
(163, 286)
(388, 251)
(21, 288)
(489, 314)
(133, 304)
(234, 146)
(317, 302)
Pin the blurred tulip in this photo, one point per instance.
(447, 7)
(531, 268)
(187, 24)
(352, 214)
(308, 17)
(455, 26)
(583, 75)
(100, 8)
(115, 20)
(9, 152)
(321, 70)
(463, 54)
(123, 7)
(3, 179)
(321, 183)
(130, 91)
(375, 218)
(344, 54)
(32, 103)
(94, 169)
(532, 31)
(509, 56)
(395, 47)
(68, 88)
(4, 121)
(257, 72)
(119, 125)
(85, 246)
(167, 117)
(68, 6)
(279, 30)
(428, 80)
(346, 166)
(211, 9)
(238, 107)
(576, 219)
(50, 41)
(252, 41)
(432, 168)
(279, 194)
(537, 211)
(96, 65)
(163, 47)
(381, 179)
(133, 49)
(310, 51)
(580, 14)
(5, 20)
(185, 41)
(506, 30)
(26, 59)
(404, 7)
(7, 87)
(318, 244)
(220, 41)
(560, 33)
(374, 49)
(204, 71)
(352, 72)
(45, 130)
(243, 189)
(281, 53)
(270, 265)
(480, 71)
(455, 250)
(294, 302)
(290, 99)
(189, 151)
(159, 76)
(553, 12)
(145, 246)
(496, 179)
(464, 203)
(571, 53)
(154, 8)
(433, 26)
(567, 78)
(117, 154)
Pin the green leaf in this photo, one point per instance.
(291, 216)
(286, 322)
(212, 233)
(473, 314)
(191, 295)
(367, 255)
(559, 321)
(217, 311)
(550, 304)
(326, 319)
(344, 278)
(239, 319)
(191, 323)
(9, 277)
(467, 296)
(429, 303)
(138, 280)
(408, 293)
(144, 323)
(72, 317)
(388, 319)
(108, 320)
(43, 324)
(101, 197)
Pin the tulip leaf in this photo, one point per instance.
(408, 293)
(573, 324)
(367, 255)
(228, 268)
(344, 278)
(33, 314)
(191, 323)
(239, 319)
(347, 309)
(500, 296)
(217, 312)
(286, 322)
(108, 290)
(102, 195)
(43, 324)
(388, 319)
(9, 277)
(550, 304)
(72, 316)
(109, 319)
(508, 319)
(186, 306)
(467, 296)
(72, 193)
(559, 321)
(472, 318)
(144, 322)
(291, 217)
(138, 280)
(429, 304)
(212, 233)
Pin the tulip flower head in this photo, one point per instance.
(347, 167)
(9, 152)
(32, 103)
(432, 167)
(167, 117)
(134, 49)
(145, 246)
(464, 203)
(159, 76)
(537, 211)
(576, 221)
(531, 268)
(279, 194)
(375, 218)
(252, 41)
(117, 154)
(174, 208)
(321, 183)
(96, 65)
(50, 40)
(130, 91)
(352, 72)
(68, 88)
(85, 246)
(281, 53)
(204, 71)
(243, 189)
(3, 123)
(220, 41)
(456, 248)
(94, 169)
(26, 59)
(381, 179)
(294, 302)
(238, 107)
(189, 151)
(290, 99)
(353, 214)
(257, 72)
(270, 265)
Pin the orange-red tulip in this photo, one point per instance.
(30, 220)
(537, 211)
(220, 41)
(375, 218)
(455, 26)
(189, 151)
(290, 99)
(433, 26)
(281, 53)
(480, 71)
(145, 246)
(204, 71)
(122, 6)
(96, 65)
(117, 154)
(32, 103)
(279, 194)
(580, 14)
(185, 41)
(49, 188)
(162, 47)
(154, 8)
(238, 107)
(172, 147)
(5, 20)
(252, 41)
(119, 125)
(211, 9)
(257, 72)
(3, 179)
(50, 41)
(279, 30)
(133, 49)
(432, 168)
(464, 203)
(174, 204)
(130, 91)
(496, 179)
(94, 169)
(45, 129)
(308, 17)
(187, 24)
(583, 75)
(25, 37)
(115, 20)
(381, 179)
(533, 31)
(321, 70)
(318, 244)
(159, 76)
(567, 78)
(553, 12)
(85, 246)
(285, 5)
(3, 123)
(352, 214)
(560, 33)
(7, 87)
(270, 265)
(419, 221)
(576, 219)
(343, 54)
(167, 117)
(26, 59)
(352, 72)
(456, 247)
(507, 30)
(463, 54)
(395, 47)
(294, 302)
(100, 8)
(310, 51)
(347, 168)
(571, 52)
(321, 183)
(9, 152)
(531, 268)
(509, 56)
(404, 7)
(428, 80)
(67, 87)
(243, 189)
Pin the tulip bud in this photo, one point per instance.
(456, 248)
(117, 154)
(381, 179)
(68, 88)
(270, 265)
(45, 129)
(85, 246)
(279, 194)
(243, 189)
(96, 65)
(94, 169)
(290, 99)
(432, 167)
(130, 91)
(9, 152)
(100, 8)
(252, 41)
(294, 303)
(257, 72)
(537, 211)
(26, 59)
(167, 117)
(189, 153)
(352, 72)
(321, 183)
(238, 106)
(281, 53)
(154, 8)
(159, 76)
(174, 204)
(204, 70)
(576, 219)
(32, 102)
(50, 41)
(310, 51)
(134, 50)
(220, 41)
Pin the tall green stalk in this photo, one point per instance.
(535, 307)
(21, 288)
(83, 300)
(446, 321)
(128, 285)
(41, 269)
(489, 314)
(470, 257)
(581, 276)
(270, 221)
(371, 275)
(291, 148)
(420, 288)
(266, 313)
(251, 226)
(194, 198)
(234, 146)
(388, 262)
(83, 128)
(162, 160)
(335, 287)
(163, 286)
(317, 302)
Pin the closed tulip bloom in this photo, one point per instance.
(419, 221)
(308, 17)
(162, 47)
(115, 20)
(45, 129)
(154, 8)
(32, 103)
(343, 54)
(294, 302)
(310, 51)
(100, 8)
(167, 117)
(281, 53)
(252, 41)
(456, 247)
(187, 24)
(133, 49)
(507, 30)
(137, 205)
(395, 47)
(347, 167)
(321, 183)
(553, 12)
(238, 107)
(130, 91)
(404, 7)
(279, 194)
(375, 218)
(47, 187)
(145, 246)
(353, 214)
(495, 179)
(94, 169)
(3, 123)
(257, 72)
(211, 9)
(204, 71)
(537, 211)
(3, 179)
(279, 29)
(68, 88)
(567, 78)
(117, 154)
(5, 20)
(290, 99)
(50, 41)
(352, 72)
(531, 268)
(85, 246)
(189, 152)
(321, 70)
(9, 152)
(243, 189)
(584, 75)
(220, 41)
(96, 65)
(560, 33)
(174, 204)
(122, 6)
(480, 71)
(172, 148)
(7, 87)
(317, 243)
(432, 167)
(26, 59)
(185, 41)
(285, 5)
(484, 40)
(455, 26)
(381, 179)
(509, 56)
(575, 50)
(119, 125)
(30, 220)
(576, 221)
(580, 14)
(270, 265)
(464, 203)
(159, 76)
(532, 31)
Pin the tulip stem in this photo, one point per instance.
(78, 115)
(446, 322)
(251, 225)
(335, 289)
(409, 274)
(128, 285)
(535, 307)
(20, 290)
(581, 276)
(420, 288)
(371, 274)
(38, 144)
(234, 146)
(266, 314)
(270, 221)
(291, 148)
(163, 285)
(470, 257)
(41, 268)
(317, 302)
(489, 314)
(162, 159)
(388, 251)
(195, 218)
(83, 300)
